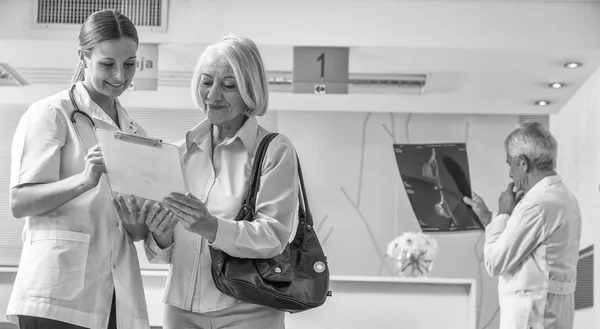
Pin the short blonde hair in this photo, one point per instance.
(248, 68)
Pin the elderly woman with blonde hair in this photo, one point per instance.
(229, 84)
(532, 244)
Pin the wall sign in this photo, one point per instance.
(146, 73)
(320, 70)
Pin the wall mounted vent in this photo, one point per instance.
(280, 81)
(584, 290)
(147, 15)
(543, 119)
(414, 84)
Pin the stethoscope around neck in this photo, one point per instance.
(79, 113)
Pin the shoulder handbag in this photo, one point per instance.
(293, 281)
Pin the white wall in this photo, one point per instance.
(576, 127)
(357, 197)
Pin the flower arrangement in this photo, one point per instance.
(413, 254)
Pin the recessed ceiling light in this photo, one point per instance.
(572, 65)
(542, 103)
(556, 85)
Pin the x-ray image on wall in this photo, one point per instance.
(436, 177)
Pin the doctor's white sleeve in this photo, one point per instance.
(511, 239)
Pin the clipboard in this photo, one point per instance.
(141, 166)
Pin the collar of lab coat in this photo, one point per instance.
(87, 105)
(545, 182)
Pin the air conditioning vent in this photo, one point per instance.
(543, 119)
(361, 83)
(147, 15)
(413, 84)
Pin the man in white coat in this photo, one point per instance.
(532, 244)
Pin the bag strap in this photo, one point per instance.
(254, 184)
(304, 208)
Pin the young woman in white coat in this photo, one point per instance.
(78, 267)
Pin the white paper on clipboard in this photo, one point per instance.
(140, 166)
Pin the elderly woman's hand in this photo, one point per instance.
(132, 217)
(161, 222)
(193, 215)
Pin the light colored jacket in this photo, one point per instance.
(534, 253)
(219, 178)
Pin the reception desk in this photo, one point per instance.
(392, 302)
(357, 302)
(370, 302)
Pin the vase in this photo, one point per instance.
(413, 264)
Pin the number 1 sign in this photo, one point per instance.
(320, 70)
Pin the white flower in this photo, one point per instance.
(429, 245)
(412, 243)
(413, 253)
(405, 242)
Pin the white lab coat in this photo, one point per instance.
(534, 254)
(76, 255)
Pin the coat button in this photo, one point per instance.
(277, 270)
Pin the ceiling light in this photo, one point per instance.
(10, 77)
(556, 85)
(572, 65)
(542, 103)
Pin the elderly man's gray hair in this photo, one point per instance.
(533, 140)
